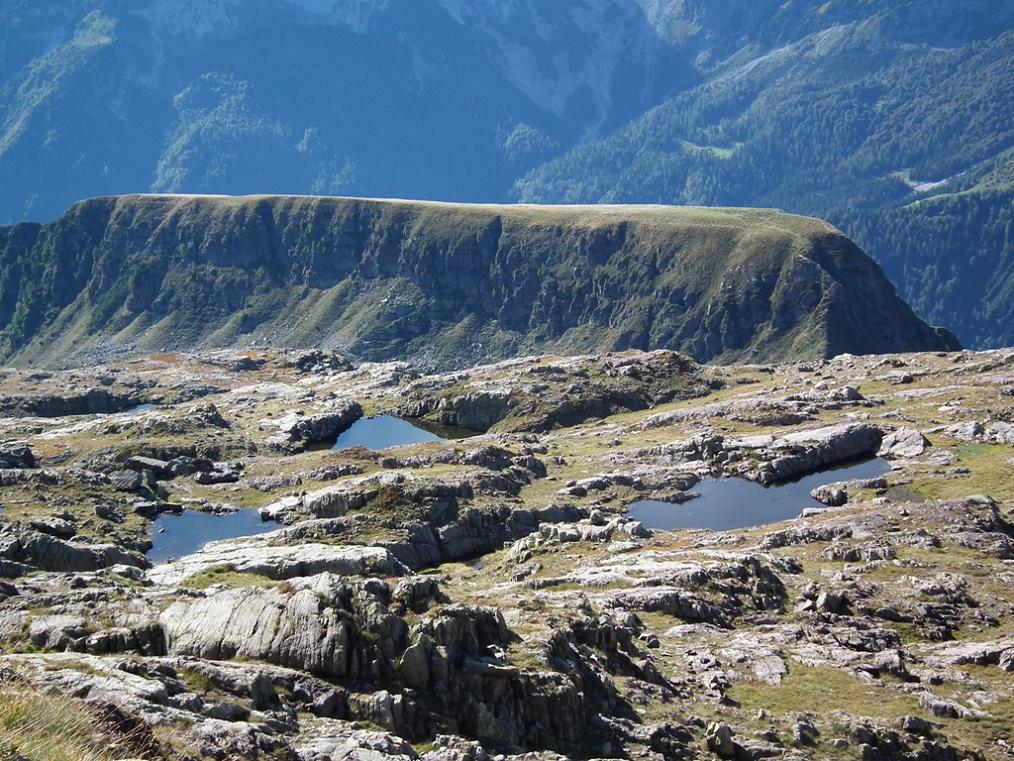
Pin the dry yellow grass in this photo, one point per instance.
(39, 726)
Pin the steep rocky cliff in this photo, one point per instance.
(442, 284)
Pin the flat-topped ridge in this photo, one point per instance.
(443, 284)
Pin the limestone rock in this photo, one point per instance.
(806, 451)
(999, 652)
(304, 629)
(279, 561)
(316, 428)
(948, 709)
(478, 411)
(832, 495)
(49, 553)
(719, 739)
(904, 443)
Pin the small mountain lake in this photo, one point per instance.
(186, 533)
(383, 431)
(731, 503)
(138, 409)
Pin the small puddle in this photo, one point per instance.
(383, 431)
(186, 533)
(138, 409)
(731, 503)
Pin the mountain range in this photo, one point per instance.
(890, 119)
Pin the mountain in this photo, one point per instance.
(445, 99)
(443, 284)
(890, 118)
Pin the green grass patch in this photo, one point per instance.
(229, 576)
(197, 682)
(806, 688)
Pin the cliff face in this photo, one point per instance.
(441, 284)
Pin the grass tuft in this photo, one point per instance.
(38, 726)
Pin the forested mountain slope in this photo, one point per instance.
(449, 99)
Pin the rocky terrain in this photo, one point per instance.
(488, 596)
(442, 285)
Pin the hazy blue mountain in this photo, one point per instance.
(412, 98)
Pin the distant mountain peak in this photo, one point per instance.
(197, 18)
(191, 18)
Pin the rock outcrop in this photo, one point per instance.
(278, 561)
(809, 450)
(25, 550)
(90, 402)
(904, 443)
(320, 427)
(16, 454)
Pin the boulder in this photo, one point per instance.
(321, 427)
(832, 495)
(1000, 432)
(916, 725)
(718, 736)
(160, 468)
(187, 466)
(904, 443)
(807, 451)
(127, 480)
(54, 526)
(971, 430)
(16, 454)
(108, 512)
(948, 709)
(226, 711)
(280, 562)
(831, 602)
(206, 416)
(216, 476)
(415, 663)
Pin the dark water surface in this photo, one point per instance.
(187, 533)
(383, 431)
(730, 503)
